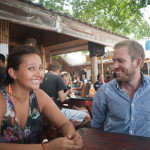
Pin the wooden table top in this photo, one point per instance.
(80, 98)
(95, 139)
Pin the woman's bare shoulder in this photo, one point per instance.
(41, 95)
(1, 96)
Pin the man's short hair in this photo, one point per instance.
(2, 57)
(54, 66)
(98, 75)
(135, 49)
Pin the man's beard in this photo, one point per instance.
(127, 76)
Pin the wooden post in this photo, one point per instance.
(4, 31)
(102, 66)
(50, 57)
(94, 69)
(43, 57)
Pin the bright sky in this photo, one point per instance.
(147, 13)
(75, 58)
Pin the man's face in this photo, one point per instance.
(123, 65)
(83, 76)
(100, 78)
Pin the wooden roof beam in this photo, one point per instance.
(65, 45)
(69, 50)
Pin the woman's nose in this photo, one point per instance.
(39, 72)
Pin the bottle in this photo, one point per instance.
(92, 90)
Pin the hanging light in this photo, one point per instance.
(30, 42)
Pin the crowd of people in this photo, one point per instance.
(2, 68)
(58, 88)
(27, 94)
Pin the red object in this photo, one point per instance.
(43, 146)
(95, 139)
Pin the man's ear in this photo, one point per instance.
(138, 62)
(11, 72)
(57, 72)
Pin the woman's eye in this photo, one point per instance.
(41, 68)
(31, 68)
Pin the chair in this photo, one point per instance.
(83, 89)
(49, 131)
(87, 89)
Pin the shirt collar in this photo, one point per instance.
(143, 81)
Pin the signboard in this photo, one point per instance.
(4, 49)
(147, 45)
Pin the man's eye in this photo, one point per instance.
(120, 61)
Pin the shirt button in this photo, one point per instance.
(132, 105)
(132, 118)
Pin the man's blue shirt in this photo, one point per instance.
(114, 110)
(97, 85)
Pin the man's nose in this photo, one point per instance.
(116, 65)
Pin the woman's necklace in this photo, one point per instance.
(11, 93)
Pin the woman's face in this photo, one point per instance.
(30, 72)
(66, 80)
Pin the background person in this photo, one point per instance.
(84, 80)
(77, 85)
(54, 86)
(114, 75)
(22, 104)
(68, 82)
(123, 105)
(2, 68)
(99, 82)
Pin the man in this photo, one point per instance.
(2, 68)
(84, 80)
(123, 104)
(54, 86)
(99, 82)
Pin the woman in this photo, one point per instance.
(67, 79)
(22, 104)
(77, 85)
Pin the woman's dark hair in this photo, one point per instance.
(15, 59)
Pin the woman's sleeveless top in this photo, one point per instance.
(76, 84)
(11, 131)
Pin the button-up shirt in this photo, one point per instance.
(114, 110)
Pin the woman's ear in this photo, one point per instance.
(11, 72)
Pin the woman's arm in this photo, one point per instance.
(13, 146)
(57, 144)
(72, 140)
(49, 109)
(55, 116)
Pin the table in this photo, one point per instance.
(95, 139)
(80, 101)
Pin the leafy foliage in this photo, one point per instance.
(119, 16)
